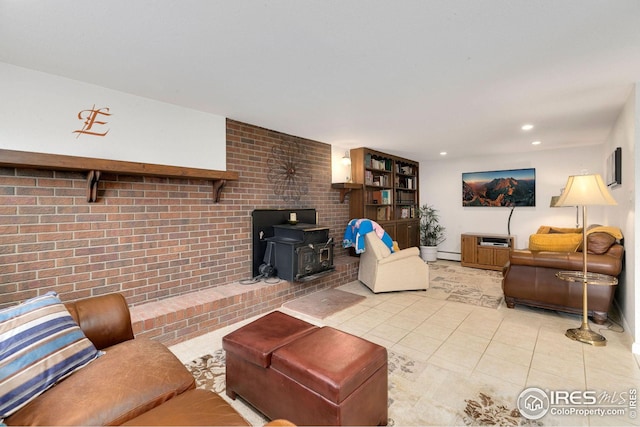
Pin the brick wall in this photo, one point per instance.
(151, 238)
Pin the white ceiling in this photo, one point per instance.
(412, 77)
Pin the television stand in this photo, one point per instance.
(487, 251)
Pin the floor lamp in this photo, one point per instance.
(554, 204)
(585, 190)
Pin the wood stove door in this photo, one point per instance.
(313, 259)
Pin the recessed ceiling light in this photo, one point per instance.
(527, 127)
(443, 153)
(536, 143)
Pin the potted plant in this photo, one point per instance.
(431, 232)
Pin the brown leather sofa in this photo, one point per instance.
(529, 278)
(136, 382)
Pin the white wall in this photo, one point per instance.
(626, 134)
(44, 113)
(634, 259)
(339, 171)
(441, 186)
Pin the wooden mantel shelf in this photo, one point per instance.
(95, 167)
(345, 188)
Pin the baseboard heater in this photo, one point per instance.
(449, 256)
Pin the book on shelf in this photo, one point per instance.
(376, 197)
(408, 183)
(383, 213)
(379, 164)
(403, 197)
(404, 169)
(376, 179)
(386, 197)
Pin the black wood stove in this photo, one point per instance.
(295, 252)
(300, 252)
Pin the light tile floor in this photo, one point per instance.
(463, 349)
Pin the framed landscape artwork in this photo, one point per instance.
(512, 187)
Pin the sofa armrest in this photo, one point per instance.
(609, 263)
(401, 254)
(104, 319)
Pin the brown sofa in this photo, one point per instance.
(135, 381)
(529, 278)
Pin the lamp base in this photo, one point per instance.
(585, 335)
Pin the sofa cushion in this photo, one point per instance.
(376, 246)
(195, 407)
(549, 229)
(40, 344)
(555, 242)
(128, 380)
(599, 242)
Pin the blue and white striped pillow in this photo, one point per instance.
(40, 344)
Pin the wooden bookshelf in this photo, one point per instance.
(389, 195)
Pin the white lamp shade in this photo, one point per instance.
(585, 190)
(346, 160)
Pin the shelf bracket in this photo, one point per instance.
(343, 193)
(345, 188)
(217, 189)
(93, 177)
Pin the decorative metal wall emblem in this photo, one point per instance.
(287, 171)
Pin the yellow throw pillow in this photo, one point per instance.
(567, 242)
(549, 229)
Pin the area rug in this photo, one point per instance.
(452, 282)
(485, 411)
(324, 303)
(417, 394)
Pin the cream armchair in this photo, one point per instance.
(383, 271)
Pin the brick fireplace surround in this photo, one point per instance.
(175, 255)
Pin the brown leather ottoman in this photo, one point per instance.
(288, 368)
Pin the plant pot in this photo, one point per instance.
(429, 253)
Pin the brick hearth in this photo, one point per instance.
(176, 319)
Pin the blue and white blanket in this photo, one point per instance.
(357, 228)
